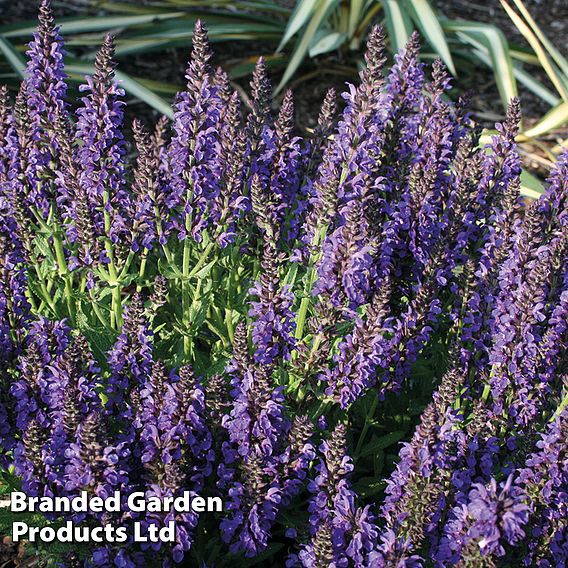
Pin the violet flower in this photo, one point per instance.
(273, 318)
(101, 156)
(174, 447)
(339, 530)
(130, 359)
(544, 479)
(45, 89)
(193, 151)
(493, 517)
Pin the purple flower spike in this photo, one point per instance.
(102, 153)
(494, 516)
(544, 480)
(339, 529)
(192, 154)
(273, 317)
(130, 359)
(45, 91)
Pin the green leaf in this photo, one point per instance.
(13, 57)
(130, 85)
(223, 28)
(138, 90)
(204, 271)
(246, 67)
(100, 340)
(9, 482)
(178, 33)
(323, 9)
(398, 24)
(545, 62)
(554, 53)
(159, 87)
(125, 47)
(82, 25)
(356, 8)
(523, 77)
(325, 42)
(381, 443)
(490, 40)
(523, 55)
(166, 270)
(535, 86)
(220, 333)
(428, 23)
(530, 185)
(369, 486)
(198, 314)
(552, 120)
(303, 11)
(42, 244)
(290, 277)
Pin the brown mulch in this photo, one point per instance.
(14, 555)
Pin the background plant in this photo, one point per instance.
(326, 26)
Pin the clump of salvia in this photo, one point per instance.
(244, 312)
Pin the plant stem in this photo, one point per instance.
(64, 273)
(46, 296)
(142, 270)
(365, 429)
(563, 404)
(97, 310)
(229, 324)
(310, 280)
(116, 317)
(202, 259)
(320, 409)
(185, 296)
(127, 264)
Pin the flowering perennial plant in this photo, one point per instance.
(357, 338)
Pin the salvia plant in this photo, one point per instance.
(357, 340)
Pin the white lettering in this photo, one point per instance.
(138, 537)
(96, 505)
(154, 505)
(47, 534)
(96, 534)
(198, 504)
(79, 503)
(19, 529)
(18, 502)
(167, 503)
(136, 502)
(112, 503)
(214, 504)
(121, 534)
(66, 533)
(181, 504)
(168, 533)
(61, 504)
(81, 534)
